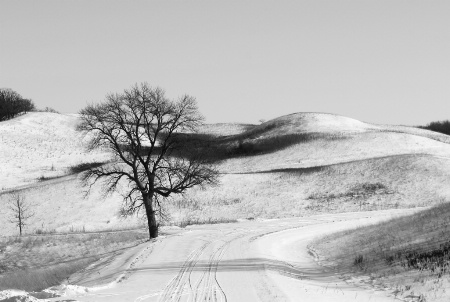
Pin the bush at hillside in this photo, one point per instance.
(439, 126)
(13, 104)
(47, 109)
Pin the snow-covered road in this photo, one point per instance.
(246, 261)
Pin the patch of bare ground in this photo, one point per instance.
(33, 263)
(410, 255)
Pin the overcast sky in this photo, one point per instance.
(376, 61)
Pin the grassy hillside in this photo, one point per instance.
(410, 254)
(40, 145)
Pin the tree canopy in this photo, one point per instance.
(13, 104)
(438, 126)
(140, 126)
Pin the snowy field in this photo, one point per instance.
(282, 200)
(248, 261)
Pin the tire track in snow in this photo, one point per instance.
(207, 287)
(174, 290)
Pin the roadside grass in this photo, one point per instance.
(33, 280)
(33, 263)
(410, 253)
(82, 229)
(410, 242)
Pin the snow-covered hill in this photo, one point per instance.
(295, 179)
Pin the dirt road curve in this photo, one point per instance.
(247, 261)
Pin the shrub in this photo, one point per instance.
(368, 188)
(47, 109)
(84, 167)
(13, 104)
(359, 261)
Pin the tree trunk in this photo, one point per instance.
(151, 217)
(19, 216)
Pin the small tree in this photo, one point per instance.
(140, 127)
(21, 211)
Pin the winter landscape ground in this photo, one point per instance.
(310, 207)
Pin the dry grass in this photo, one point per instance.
(36, 262)
(409, 253)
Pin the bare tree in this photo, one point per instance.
(21, 211)
(141, 126)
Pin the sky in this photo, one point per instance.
(385, 62)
